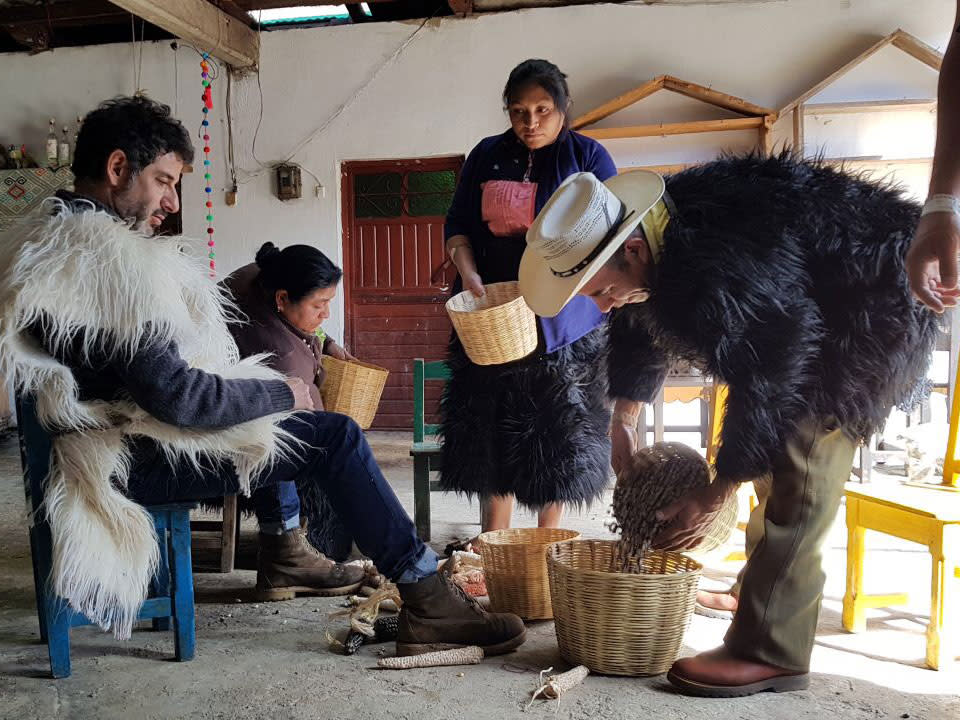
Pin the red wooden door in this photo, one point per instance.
(395, 279)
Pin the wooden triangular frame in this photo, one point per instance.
(899, 39)
(754, 116)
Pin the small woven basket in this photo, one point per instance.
(496, 328)
(352, 388)
(515, 568)
(615, 622)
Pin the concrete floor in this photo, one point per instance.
(272, 661)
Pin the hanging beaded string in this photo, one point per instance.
(207, 175)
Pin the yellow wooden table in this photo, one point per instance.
(929, 516)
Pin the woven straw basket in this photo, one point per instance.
(352, 388)
(515, 568)
(721, 528)
(496, 328)
(620, 623)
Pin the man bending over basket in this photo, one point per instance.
(785, 280)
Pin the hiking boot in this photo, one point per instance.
(288, 565)
(438, 615)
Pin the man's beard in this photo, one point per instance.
(139, 213)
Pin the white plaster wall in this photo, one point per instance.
(442, 92)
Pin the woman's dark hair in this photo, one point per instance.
(142, 128)
(538, 72)
(298, 269)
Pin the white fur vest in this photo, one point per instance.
(86, 274)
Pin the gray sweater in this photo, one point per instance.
(161, 382)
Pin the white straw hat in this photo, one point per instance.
(582, 225)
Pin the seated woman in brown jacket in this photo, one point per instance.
(284, 297)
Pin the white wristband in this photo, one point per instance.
(941, 203)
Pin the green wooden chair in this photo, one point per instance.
(426, 453)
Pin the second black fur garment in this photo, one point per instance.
(783, 278)
(536, 429)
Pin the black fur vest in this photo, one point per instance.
(785, 279)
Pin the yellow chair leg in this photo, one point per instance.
(950, 464)
(854, 611)
(942, 640)
(718, 405)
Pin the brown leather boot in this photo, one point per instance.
(438, 615)
(718, 673)
(288, 565)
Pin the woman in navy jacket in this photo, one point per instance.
(535, 430)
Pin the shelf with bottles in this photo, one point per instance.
(58, 150)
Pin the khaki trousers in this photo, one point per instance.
(781, 585)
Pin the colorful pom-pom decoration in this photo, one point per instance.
(207, 98)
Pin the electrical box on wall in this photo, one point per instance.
(288, 182)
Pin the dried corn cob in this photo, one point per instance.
(657, 476)
(471, 655)
(386, 628)
(353, 642)
(556, 685)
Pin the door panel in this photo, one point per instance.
(395, 282)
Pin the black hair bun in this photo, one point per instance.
(267, 252)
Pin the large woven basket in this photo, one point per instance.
(515, 568)
(352, 388)
(496, 328)
(620, 623)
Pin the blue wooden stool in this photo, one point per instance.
(171, 596)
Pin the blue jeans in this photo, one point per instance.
(277, 507)
(335, 455)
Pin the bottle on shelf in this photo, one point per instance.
(52, 145)
(63, 152)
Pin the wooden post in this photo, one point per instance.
(798, 129)
(766, 134)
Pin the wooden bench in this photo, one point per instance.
(426, 453)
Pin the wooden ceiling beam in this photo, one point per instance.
(715, 97)
(900, 39)
(254, 5)
(619, 103)
(202, 24)
(917, 48)
(80, 12)
(235, 10)
(680, 128)
(860, 106)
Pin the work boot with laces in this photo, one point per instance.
(288, 565)
(438, 615)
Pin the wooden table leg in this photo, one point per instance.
(854, 612)
(942, 640)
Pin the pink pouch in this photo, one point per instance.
(508, 207)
